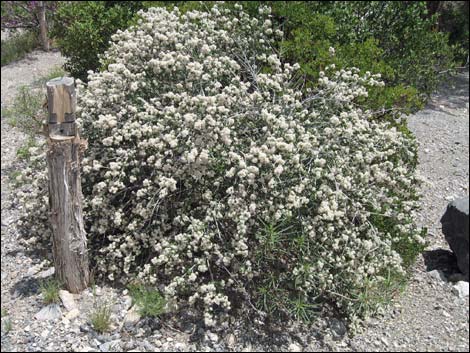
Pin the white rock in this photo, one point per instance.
(438, 275)
(110, 346)
(231, 340)
(49, 312)
(86, 349)
(460, 289)
(67, 300)
(294, 348)
(127, 302)
(212, 336)
(132, 316)
(46, 273)
(33, 270)
(72, 314)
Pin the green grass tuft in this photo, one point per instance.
(149, 301)
(50, 291)
(101, 318)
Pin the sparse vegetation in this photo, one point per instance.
(26, 112)
(148, 300)
(17, 46)
(50, 291)
(101, 317)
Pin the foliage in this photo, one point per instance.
(17, 46)
(148, 300)
(7, 326)
(24, 14)
(212, 173)
(397, 39)
(27, 149)
(26, 110)
(50, 291)
(83, 30)
(454, 19)
(100, 318)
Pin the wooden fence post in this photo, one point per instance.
(65, 192)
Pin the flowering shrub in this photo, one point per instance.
(210, 175)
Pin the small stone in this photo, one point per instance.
(230, 340)
(47, 273)
(179, 346)
(157, 343)
(127, 346)
(49, 312)
(248, 348)
(127, 302)
(67, 300)
(132, 316)
(72, 314)
(461, 289)
(33, 270)
(112, 346)
(294, 348)
(437, 275)
(338, 328)
(384, 341)
(213, 337)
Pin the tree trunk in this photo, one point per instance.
(43, 26)
(65, 192)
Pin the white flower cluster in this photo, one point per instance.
(208, 173)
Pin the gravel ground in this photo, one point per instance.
(427, 317)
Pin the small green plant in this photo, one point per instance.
(50, 291)
(4, 312)
(26, 111)
(149, 301)
(13, 175)
(23, 152)
(17, 46)
(101, 317)
(7, 326)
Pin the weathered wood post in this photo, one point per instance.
(65, 192)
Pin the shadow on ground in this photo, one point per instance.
(25, 287)
(452, 94)
(443, 260)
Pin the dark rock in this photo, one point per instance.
(455, 226)
(338, 329)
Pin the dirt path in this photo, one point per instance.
(427, 317)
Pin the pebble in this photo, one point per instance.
(461, 289)
(67, 300)
(49, 312)
(437, 275)
(293, 347)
